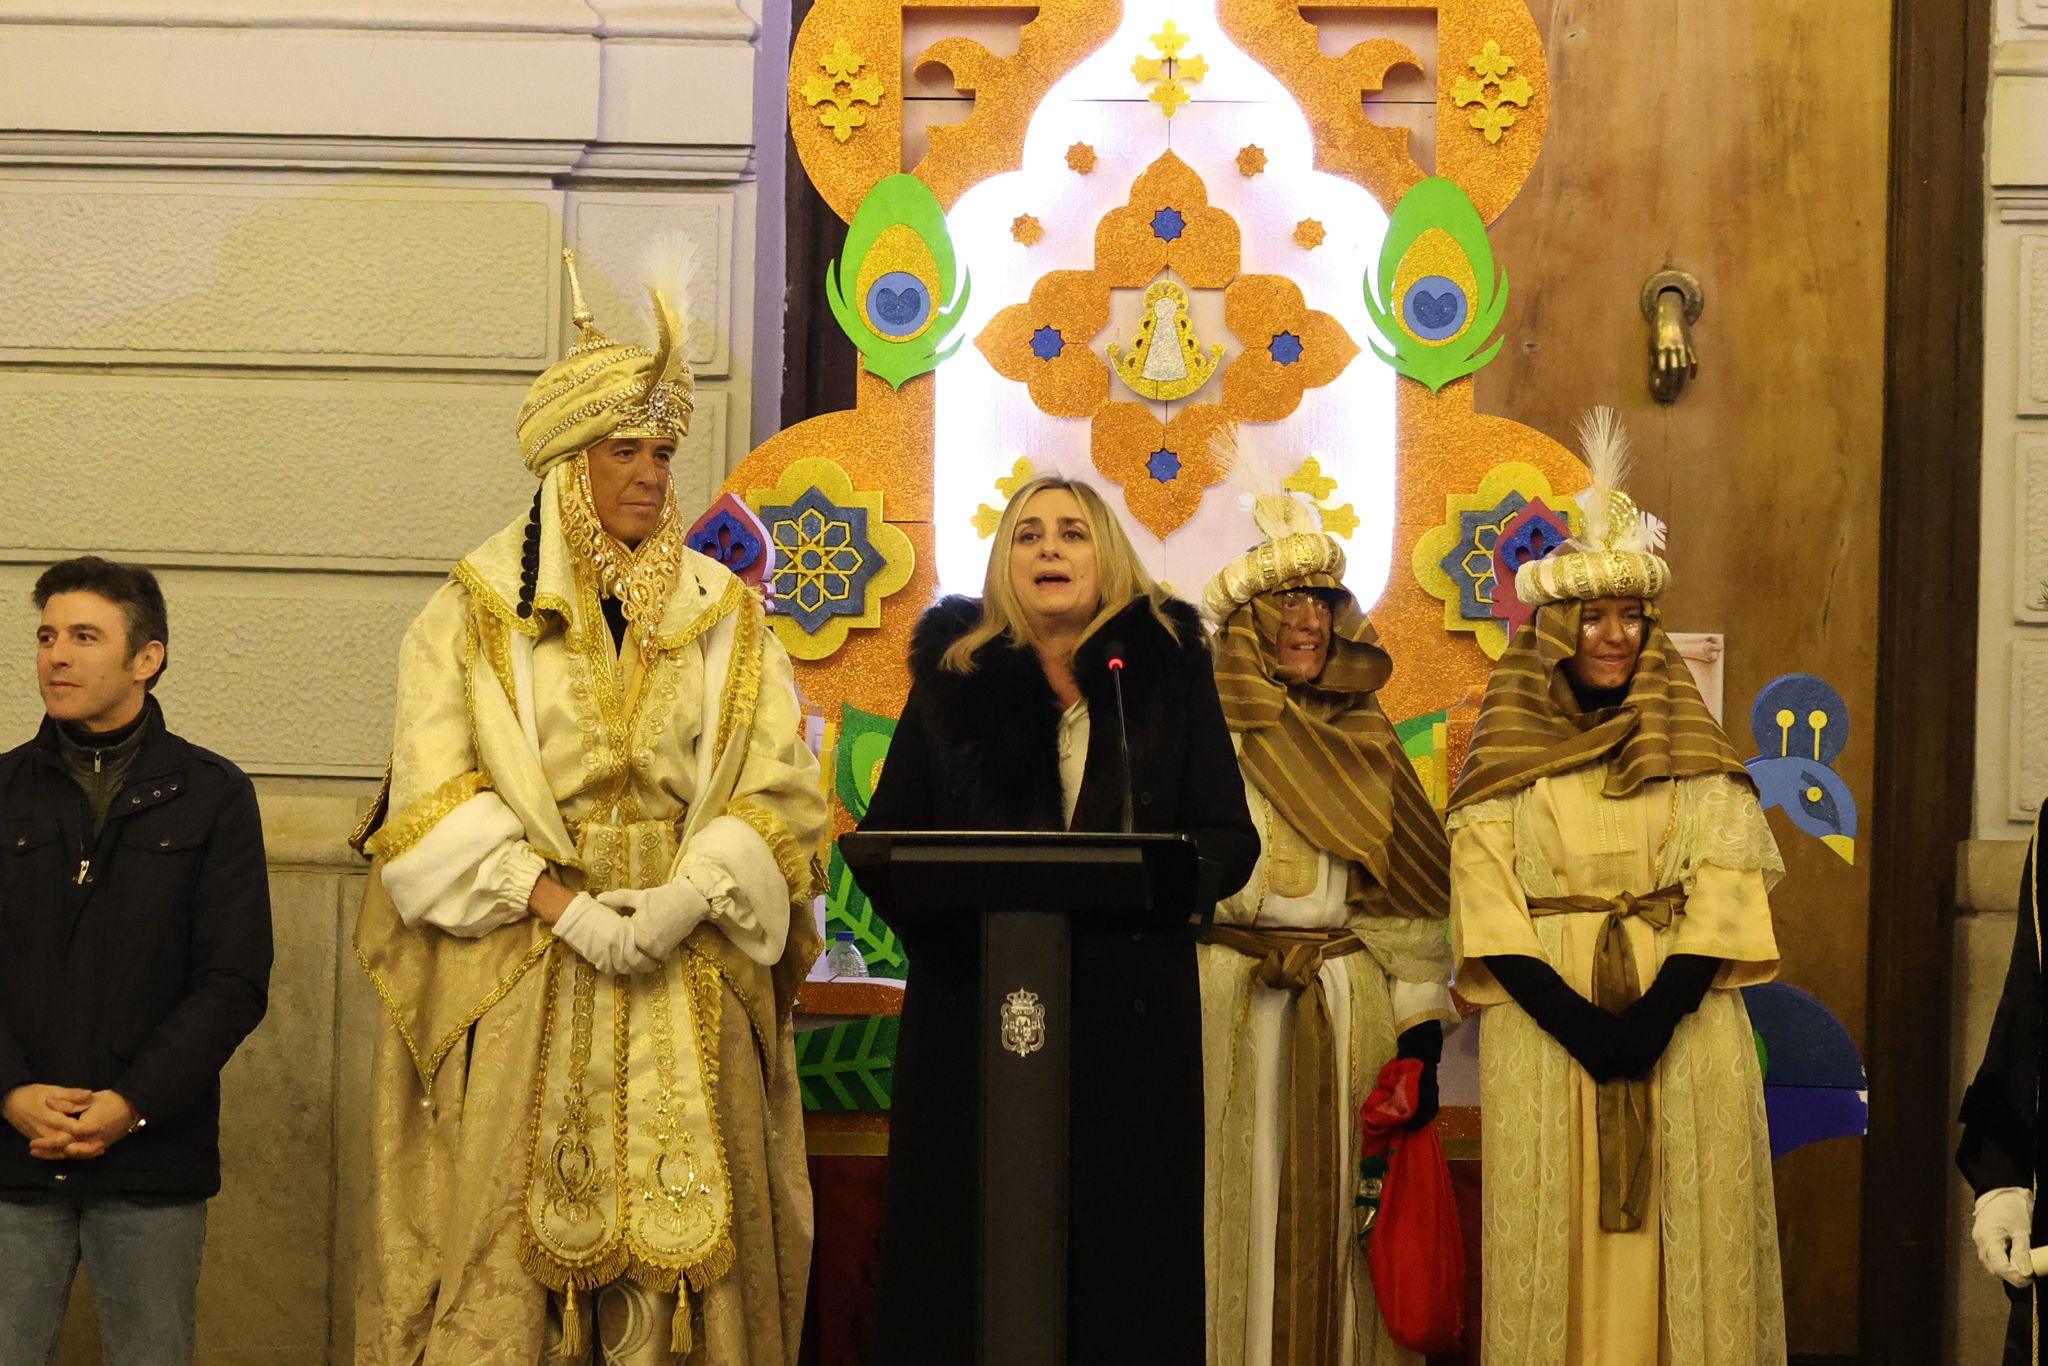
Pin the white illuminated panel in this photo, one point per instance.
(985, 422)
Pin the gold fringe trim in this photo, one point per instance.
(398, 836)
(492, 601)
(799, 869)
(494, 642)
(373, 819)
(743, 678)
(428, 1066)
(715, 1266)
(736, 592)
(552, 1273)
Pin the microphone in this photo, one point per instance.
(1115, 651)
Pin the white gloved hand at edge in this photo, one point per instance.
(661, 917)
(602, 936)
(2003, 1233)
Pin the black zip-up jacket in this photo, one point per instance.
(135, 961)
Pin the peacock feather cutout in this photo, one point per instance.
(896, 289)
(1438, 296)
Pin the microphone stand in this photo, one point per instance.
(1123, 729)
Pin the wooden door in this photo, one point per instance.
(1743, 141)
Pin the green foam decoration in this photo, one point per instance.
(1438, 203)
(850, 1067)
(847, 908)
(863, 739)
(1763, 1055)
(1418, 734)
(909, 201)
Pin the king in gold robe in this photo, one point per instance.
(580, 1156)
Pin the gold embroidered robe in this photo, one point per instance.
(1399, 981)
(1698, 1285)
(663, 1143)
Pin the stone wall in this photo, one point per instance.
(274, 276)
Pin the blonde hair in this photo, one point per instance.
(1118, 570)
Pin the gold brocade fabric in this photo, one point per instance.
(625, 1173)
(1699, 1284)
(1530, 725)
(1326, 755)
(1307, 1277)
(1625, 1110)
(604, 388)
(537, 1124)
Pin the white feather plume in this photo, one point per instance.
(669, 266)
(1605, 447)
(1275, 511)
(1653, 534)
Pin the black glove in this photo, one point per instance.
(1425, 1044)
(1588, 1033)
(1647, 1025)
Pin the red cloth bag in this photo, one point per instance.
(1413, 1241)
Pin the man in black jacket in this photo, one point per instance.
(134, 958)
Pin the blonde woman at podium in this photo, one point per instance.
(1012, 724)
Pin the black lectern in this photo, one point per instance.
(1027, 889)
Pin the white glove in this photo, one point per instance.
(602, 936)
(660, 917)
(2004, 1234)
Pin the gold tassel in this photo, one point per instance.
(572, 1327)
(680, 1340)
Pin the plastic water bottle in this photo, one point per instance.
(844, 959)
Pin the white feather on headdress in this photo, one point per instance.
(1605, 448)
(668, 266)
(1610, 522)
(1275, 511)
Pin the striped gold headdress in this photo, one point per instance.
(1297, 552)
(604, 388)
(1615, 555)
(1323, 753)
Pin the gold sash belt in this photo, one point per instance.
(1622, 1107)
(1306, 1283)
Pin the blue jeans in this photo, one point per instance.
(144, 1263)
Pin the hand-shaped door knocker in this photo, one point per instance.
(1672, 303)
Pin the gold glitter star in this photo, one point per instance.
(1311, 480)
(1026, 229)
(1081, 158)
(1020, 475)
(1309, 234)
(986, 518)
(1251, 159)
(1340, 521)
(1173, 71)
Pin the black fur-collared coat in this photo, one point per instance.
(979, 751)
